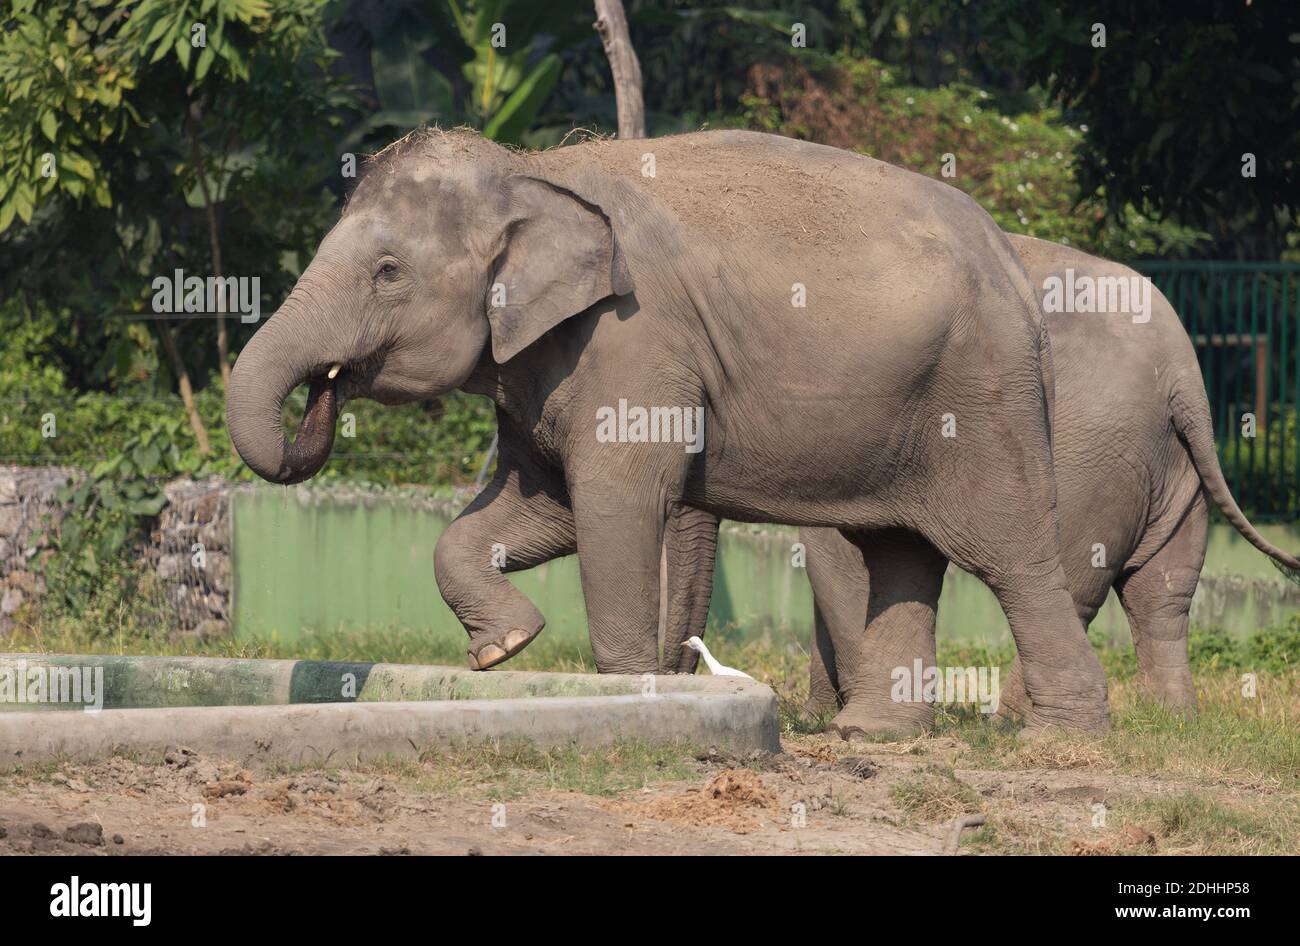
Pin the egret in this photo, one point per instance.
(715, 668)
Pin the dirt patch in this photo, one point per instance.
(820, 795)
(1134, 839)
(735, 798)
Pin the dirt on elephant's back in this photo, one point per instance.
(737, 188)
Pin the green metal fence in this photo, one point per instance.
(1244, 319)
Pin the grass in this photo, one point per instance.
(101, 634)
(502, 772)
(1006, 833)
(935, 795)
(1232, 741)
(1190, 823)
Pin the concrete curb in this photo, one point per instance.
(311, 711)
(741, 716)
(156, 682)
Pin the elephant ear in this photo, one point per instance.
(559, 257)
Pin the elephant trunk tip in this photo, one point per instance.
(255, 426)
(311, 446)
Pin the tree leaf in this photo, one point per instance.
(204, 63)
(518, 111)
(149, 506)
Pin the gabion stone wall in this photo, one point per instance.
(189, 545)
(27, 500)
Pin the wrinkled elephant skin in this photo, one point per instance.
(816, 337)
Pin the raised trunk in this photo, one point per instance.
(282, 355)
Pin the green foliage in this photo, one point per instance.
(76, 78)
(1021, 166)
(1210, 649)
(441, 442)
(1273, 650)
(160, 27)
(107, 511)
(445, 62)
(1261, 471)
(132, 113)
(61, 93)
(1173, 101)
(436, 443)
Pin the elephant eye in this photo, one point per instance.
(387, 268)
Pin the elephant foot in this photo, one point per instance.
(1176, 693)
(820, 707)
(868, 723)
(1066, 698)
(489, 653)
(1084, 719)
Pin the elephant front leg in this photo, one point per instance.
(690, 553)
(619, 541)
(504, 529)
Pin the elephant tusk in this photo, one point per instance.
(334, 371)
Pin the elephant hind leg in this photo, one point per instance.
(1013, 701)
(879, 606)
(1020, 562)
(823, 681)
(1157, 597)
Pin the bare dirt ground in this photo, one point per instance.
(819, 796)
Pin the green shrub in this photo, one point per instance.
(1273, 650)
(1020, 166)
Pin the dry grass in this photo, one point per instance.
(935, 795)
(508, 771)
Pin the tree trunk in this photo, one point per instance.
(186, 389)
(214, 240)
(611, 24)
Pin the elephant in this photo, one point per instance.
(861, 343)
(1134, 387)
(1136, 468)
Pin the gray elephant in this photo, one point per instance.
(1135, 465)
(860, 342)
(1135, 469)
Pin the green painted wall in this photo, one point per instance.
(304, 564)
(309, 564)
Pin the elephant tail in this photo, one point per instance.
(1191, 416)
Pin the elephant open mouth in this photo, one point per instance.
(314, 440)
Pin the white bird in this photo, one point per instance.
(715, 668)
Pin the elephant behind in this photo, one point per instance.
(1136, 469)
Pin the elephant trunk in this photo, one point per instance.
(284, 353)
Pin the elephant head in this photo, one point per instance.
(446, 245)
